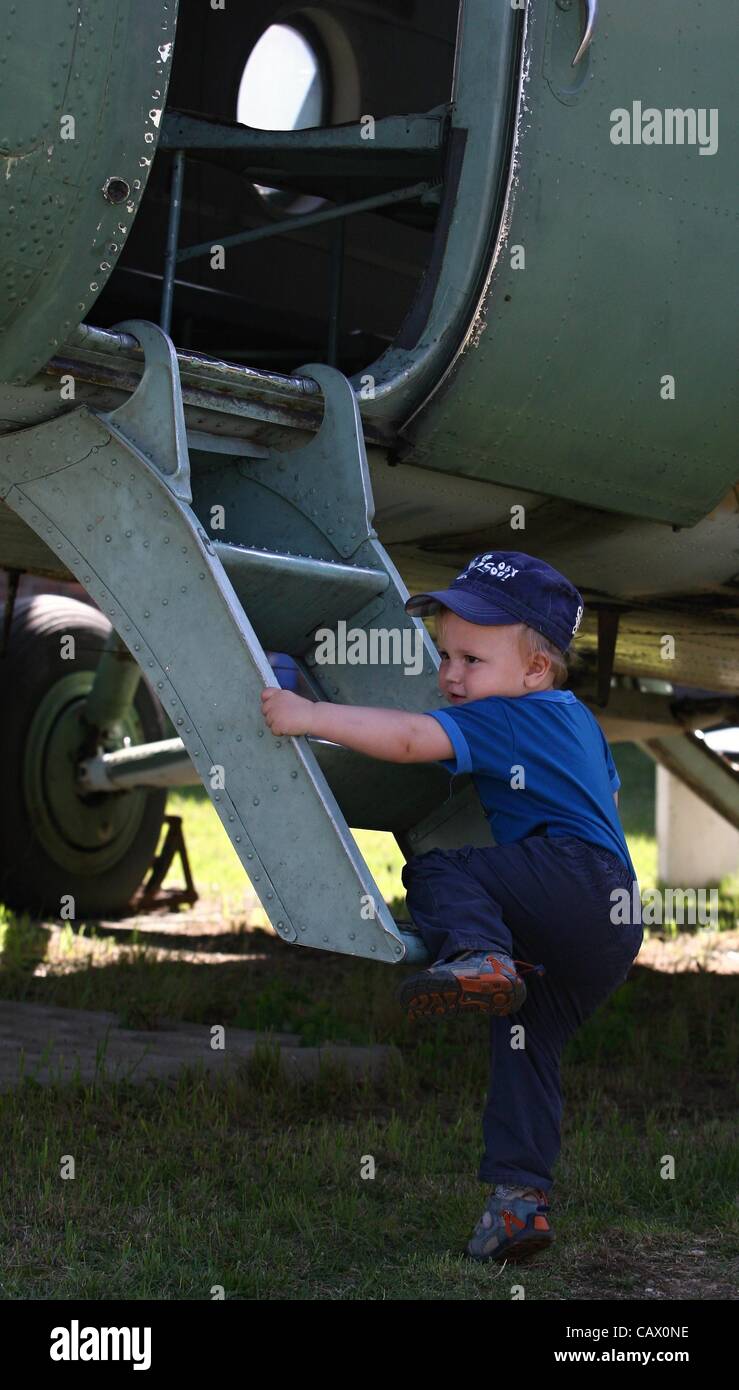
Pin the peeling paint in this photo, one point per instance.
(156, 115)
(479, 322)
(165, 52)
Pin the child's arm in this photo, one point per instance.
(392, 735)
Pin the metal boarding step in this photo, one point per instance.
(133, 513)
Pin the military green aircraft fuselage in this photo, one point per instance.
(316, 303)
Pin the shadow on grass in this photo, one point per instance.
(360, 1189)
(668, 1019)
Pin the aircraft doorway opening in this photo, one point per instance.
(284, 86)
(287, 91)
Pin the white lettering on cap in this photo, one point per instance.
(500, 570)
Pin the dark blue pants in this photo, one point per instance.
(542, 901)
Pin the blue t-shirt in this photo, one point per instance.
(538, 761)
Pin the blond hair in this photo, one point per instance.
(537, 642)
(533, 642)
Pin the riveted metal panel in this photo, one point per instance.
(629, 276)
(110, 513)
(82, 90)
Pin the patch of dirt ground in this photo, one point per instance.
(716, 952)
(649, 1269)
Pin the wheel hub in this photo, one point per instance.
(84, 833)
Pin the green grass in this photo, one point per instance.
(255, 1184)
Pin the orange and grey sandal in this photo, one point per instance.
(473, 982)
(514, 1225)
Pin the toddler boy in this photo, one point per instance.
(547, 782)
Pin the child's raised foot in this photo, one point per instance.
(472, 982)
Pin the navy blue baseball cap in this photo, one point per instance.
(504, 586)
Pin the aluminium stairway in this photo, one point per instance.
(205, 558)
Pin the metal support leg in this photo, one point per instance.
(173, 233)
(608, 621)
(151, 896)
(113, 690)
(335, 293)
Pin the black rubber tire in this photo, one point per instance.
(30, 878)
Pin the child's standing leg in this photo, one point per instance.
(546, 900)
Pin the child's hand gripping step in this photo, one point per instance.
(285, 712)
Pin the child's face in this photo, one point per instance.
(479, 659)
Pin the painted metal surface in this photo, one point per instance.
(629, 277)
(372, 795)
(547, 376)
(403, 148)
(682, 581)
(84, 83)
(475, 178)
(111, 494)
(538, 382)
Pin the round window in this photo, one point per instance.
(282, 88)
